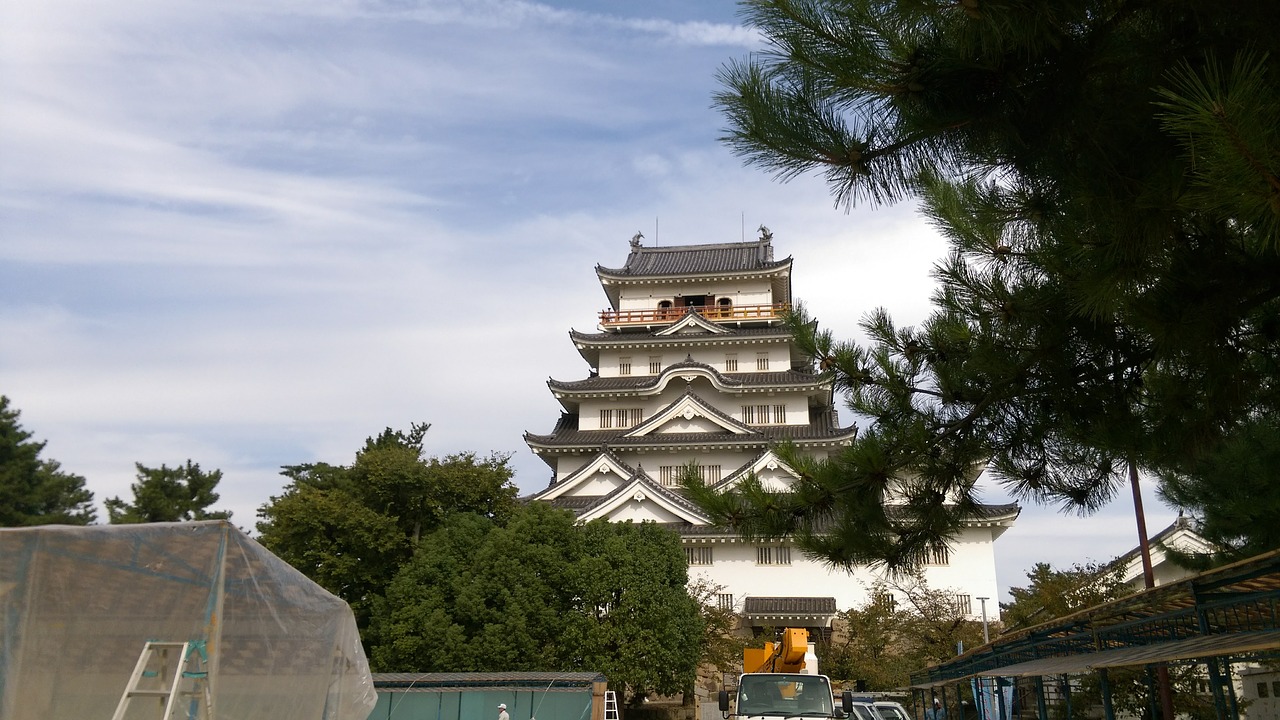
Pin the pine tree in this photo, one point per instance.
(166, 494)
(1108, 176)
(34, 491)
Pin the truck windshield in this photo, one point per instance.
(784, 695)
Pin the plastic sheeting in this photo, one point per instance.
(78, 604)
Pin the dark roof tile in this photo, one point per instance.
(789, 606)
(695, 259)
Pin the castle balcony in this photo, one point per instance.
(717, 313)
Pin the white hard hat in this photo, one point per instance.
(502, 706)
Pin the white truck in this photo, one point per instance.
(782, 681)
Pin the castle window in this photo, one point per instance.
(885, 601)
(655, 364)
(773, 555)
(964, 604)
(724, 601)
(621, 418)
(762, 361)
(624, 366)
(698, 555)
(938, 556)
(669, 475)
(731, 362)
(764, 414)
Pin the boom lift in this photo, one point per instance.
(781, 680)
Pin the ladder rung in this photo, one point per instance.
(149, 693)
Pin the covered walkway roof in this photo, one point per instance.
(1228, 611)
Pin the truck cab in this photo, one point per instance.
(785, 695)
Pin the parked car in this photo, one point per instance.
(889, 710)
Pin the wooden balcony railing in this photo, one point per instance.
(655, 316)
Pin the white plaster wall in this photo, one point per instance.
(643, 511)
(797, 404)
(971, 570)
(644, 297)
(736, 570)
(779, 358)
(566, 465)
(595, 485)
(1260, 708)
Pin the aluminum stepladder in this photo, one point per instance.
(610, 705)
(171, 671)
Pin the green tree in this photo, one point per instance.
(166, 494)
(1053, 593)
(542, 593)
(1233, 492)
(906, 625)
(648, 635)
(351, 528)
(721, 645)
(35, 491)
(1107, 174)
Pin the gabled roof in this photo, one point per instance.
(589, 345)
(567, 437)
(604, 463)
(693, 323)
(690, 406)
(687, 370)
(643, 489)
(713, 259)
(758, 463)
(639, 486)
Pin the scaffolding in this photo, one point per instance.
(78, 605)
(1214, 619)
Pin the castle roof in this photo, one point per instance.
(714, 259)
(791, 379)
(567, 436)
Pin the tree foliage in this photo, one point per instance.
(884, 641)
(165, 494)
(1053, 593)
(351, 528)
(721, 645)
(541, 593)
(36, 491)
(1107, 173)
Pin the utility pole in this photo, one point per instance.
(986, 637)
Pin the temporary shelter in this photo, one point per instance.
(251, 637)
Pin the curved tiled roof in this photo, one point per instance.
(565, 437)
(646, 335)
(697, 259)
(649, 382)
(986, 513)
(789, 605)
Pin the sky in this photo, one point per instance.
(254, 233)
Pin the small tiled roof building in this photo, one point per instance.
(691, 362)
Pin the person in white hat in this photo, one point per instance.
(502, 712)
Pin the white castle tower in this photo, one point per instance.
(692, 364)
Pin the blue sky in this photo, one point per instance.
(255, 233)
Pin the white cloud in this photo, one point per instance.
(255, 233)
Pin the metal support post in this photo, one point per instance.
(1108, 711)
(1152, 692)
(1002, 713)
(1042, 708)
